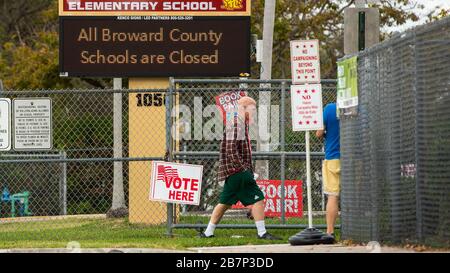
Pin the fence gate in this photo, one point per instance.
(278, 152)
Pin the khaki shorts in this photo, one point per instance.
(331, 173)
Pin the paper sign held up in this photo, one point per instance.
(227, 102)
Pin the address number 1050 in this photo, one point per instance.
(150, 99)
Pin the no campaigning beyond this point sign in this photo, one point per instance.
(305, 61)
(176, 183)
(306, 107)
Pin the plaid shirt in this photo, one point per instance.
(235, 150)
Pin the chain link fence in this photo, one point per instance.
(73, 183)
(395, 152)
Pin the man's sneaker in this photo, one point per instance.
(268, 236)
(203, 235)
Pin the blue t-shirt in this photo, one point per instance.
(332, 140)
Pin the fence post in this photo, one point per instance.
(283, 152)
(169, 152)
(118, 192)
(184, 207)
(416, 140)
(63, 184)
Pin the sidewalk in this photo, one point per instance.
(283, 248)
(286, 248)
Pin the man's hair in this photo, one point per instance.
(246, 101)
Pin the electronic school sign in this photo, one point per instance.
(135, 38)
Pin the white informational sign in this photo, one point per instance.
(259, 51)
(32, 124)
(176, 183)
(307, 107)
(5, 124)
(305, 61)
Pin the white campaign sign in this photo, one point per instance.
(306, 99)
(176, 183)
(306, 107)
(5, 124)
(305, 61)
(32, 124)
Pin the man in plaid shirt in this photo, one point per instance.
(235, 168)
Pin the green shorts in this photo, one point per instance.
(241, 187)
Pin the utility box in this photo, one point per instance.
(361, 29)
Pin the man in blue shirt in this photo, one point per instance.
(331, 168)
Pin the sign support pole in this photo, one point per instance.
(308, 176)
(308, 179)
(311, 235)
(309, 117)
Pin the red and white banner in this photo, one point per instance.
(305, 61)
(176, 183)
(156, 7)
(272, 193)
(227, 103)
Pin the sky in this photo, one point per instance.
(430, 5)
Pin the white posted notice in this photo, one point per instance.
(307, 107)
(5, 124)
(305, 61)
(33, 124)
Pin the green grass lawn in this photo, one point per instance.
(119, 233)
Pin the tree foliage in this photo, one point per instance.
(323, 20)
(29, 42)
(29, 37)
